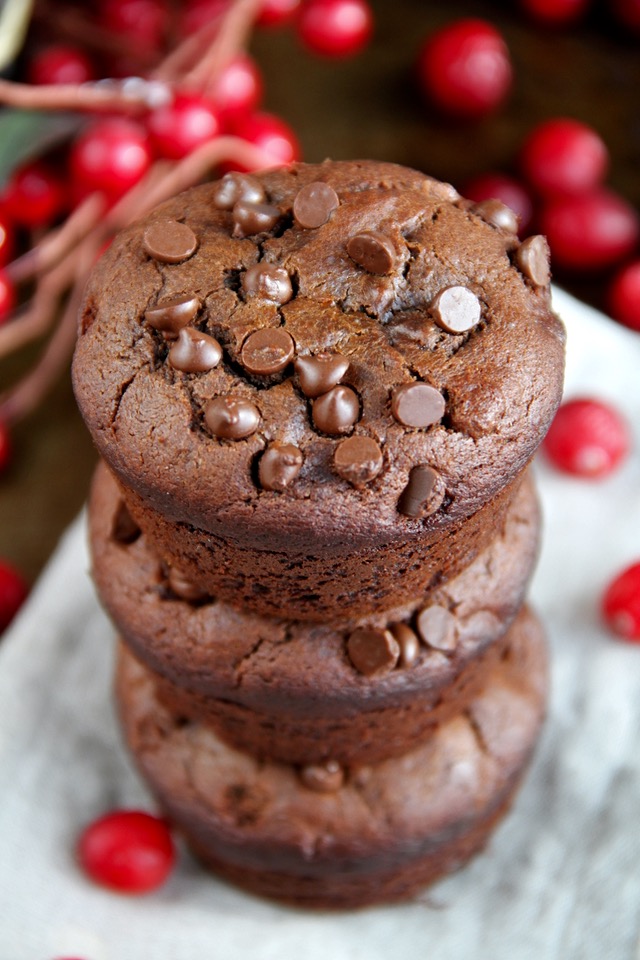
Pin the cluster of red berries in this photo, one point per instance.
(464, 69)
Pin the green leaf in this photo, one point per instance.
(29, 133)
(14, 21)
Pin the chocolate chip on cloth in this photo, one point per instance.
(401, 283)
(289, 690)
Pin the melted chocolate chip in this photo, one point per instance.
(279, 466)
(498, 214)
(251, 218)
(184, 588)
(314, 204)
(169, 241)
(267, 351)
(358, 460)
(323, 777)
(194, 352)
(456, 309)
(231, 418)
(125, 529)
(437, 627)
(532, 257)
(267, 281)
(417, 404)
(336, 412)
(372, 250)
(408, 642)
(172, 314)
(373, 652)
(235, 187)
(319, 374)
(423, 494)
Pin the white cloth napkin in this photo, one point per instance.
(559, 881)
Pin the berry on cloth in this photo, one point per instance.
(587, 438)
(127, 850)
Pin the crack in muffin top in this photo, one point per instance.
(347, 349)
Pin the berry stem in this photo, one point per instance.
(133, 95)
(58, 243)
(227, 41)
(21, 400)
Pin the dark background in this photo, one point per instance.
(368, 106)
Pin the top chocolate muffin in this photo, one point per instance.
(342, 353)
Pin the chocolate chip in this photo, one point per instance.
(267, 351)
(498, 214)
(235, 187)
(323, 777)
(169, 241)
(533, 259)
(194, 352)
(438, 190)
(267, 281)
(279, 466)
(372, 250)
(231, 418)
(372, 651)
(456, 309)
(417, 404)
(314, 204)
(336, 412)
(423, 494)
(124, 529)
(172, 314)
(358, 460)
(437, 627)
(318, 374)
(185, 589)
(250, 218)
(408, 643)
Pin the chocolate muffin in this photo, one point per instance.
(319, 386)
(306, 693)
(320, 837)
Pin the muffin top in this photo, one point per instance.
(342, 351)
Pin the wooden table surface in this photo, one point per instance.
(365, 107)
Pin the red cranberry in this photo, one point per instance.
(127, 850)
(200, 13)
(237, 90)
(498, 186)
(7, 238)
(555, 13)
(564, 156)
(587, 438)
(34, 195)
(60, 63)
(110, 156)
(275, 13)
(335, 28)
(6, 448)
(270, 134)
(628, 13)
(7, 296)
(624, 296)
(464, 68)
(181, 126)
(143, 22)
(591, 231)
(13, 593)
(621, 604)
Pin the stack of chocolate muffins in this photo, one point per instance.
(317, 391)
